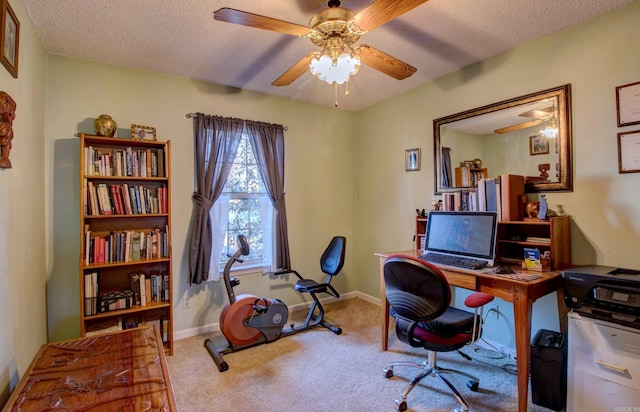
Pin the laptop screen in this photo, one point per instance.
(469, 234)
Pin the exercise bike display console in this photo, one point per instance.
(248, 320)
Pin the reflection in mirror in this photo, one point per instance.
(528, 135)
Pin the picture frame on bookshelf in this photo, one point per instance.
(412, 160)
(9, 38)
(139, 132)
(629, 152)
(538, 144)
(628, 104)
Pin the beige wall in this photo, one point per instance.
(594, 57)
(342, 178)
(22, 215)
(319, 176)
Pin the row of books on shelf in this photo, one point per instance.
(133, 162)
(143, 289)
(124, 199)
(504, 194)
(125, 246)
(129, 322)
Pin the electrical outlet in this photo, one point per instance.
(186, 302)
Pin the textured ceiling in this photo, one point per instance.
(181, 37)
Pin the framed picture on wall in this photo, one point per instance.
(412, 160)
(538, 145)
(628, 104)
(9, 38)
(143, 132)
(629, 152)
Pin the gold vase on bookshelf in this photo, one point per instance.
(125, 265)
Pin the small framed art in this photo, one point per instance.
(629, 152)
(9, 38)
(143, 132)
(412, 160)
(538, 145)
(628, 104)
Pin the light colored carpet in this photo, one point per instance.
(319, 371)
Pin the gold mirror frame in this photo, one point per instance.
(561, 97)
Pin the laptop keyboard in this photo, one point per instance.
(458, 261)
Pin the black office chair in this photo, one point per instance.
(331, 263)
(419, 296)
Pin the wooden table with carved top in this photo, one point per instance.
(118, 371)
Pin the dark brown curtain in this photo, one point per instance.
(216, 144)
(267, 141)
(447, 174)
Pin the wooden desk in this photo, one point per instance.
(124, 370)
(521, 294)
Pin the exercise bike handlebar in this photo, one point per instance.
(242, 251)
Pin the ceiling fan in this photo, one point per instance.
(335, 30)
(539, 115)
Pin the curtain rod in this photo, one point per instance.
(190, 115)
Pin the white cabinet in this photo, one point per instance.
(603, 366)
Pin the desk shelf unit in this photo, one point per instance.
(513, 236)
(421, 231)
(112, 254)
(545, 235)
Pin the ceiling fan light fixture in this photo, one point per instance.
(335, 70)
(549, 132)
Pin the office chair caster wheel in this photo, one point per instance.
(388, 373)
(473, 385)
(402, 405)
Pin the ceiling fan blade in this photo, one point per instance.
(260, 22)
(382, 11)
(538, 114)
(385, 63)
(518, 126)
(295, 71)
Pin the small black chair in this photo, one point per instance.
(331, 263)
(419, 296)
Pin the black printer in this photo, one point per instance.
(604, 292)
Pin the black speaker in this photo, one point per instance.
(549, 369)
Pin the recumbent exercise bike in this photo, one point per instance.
(248, 320)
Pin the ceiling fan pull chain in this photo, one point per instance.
(346, 92)
(335, 92)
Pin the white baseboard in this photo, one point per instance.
(215, 327)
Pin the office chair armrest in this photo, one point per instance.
(405, 329)
(478, 299)
(283, 272)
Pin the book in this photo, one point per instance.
(512, 189)
(108, 325)
(532, 259)
(135, 246)
(490, 195)
(165, 288)
(143, 289)
(134, 284)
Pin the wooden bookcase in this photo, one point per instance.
(466, 176)
(552, 235)
(132, 179)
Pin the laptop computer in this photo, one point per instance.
(461, 234)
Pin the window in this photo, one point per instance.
(247, 208)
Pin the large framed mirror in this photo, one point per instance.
(528, 135)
